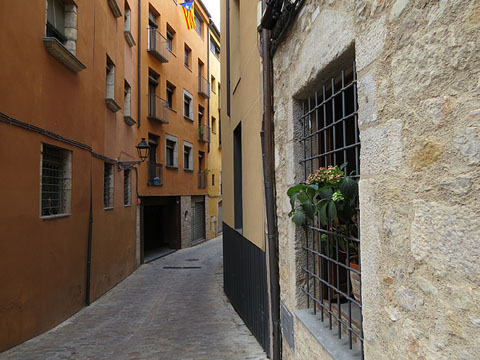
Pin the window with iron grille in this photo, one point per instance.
(332, 268)
(127, 190)
(108, 186)
(56, 181)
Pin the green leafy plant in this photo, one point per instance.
(327, 194)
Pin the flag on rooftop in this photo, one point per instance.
(188, 14)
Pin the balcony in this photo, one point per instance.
(203, 133)
(62, 54)
(155, 174)
(203, 87)
(157, 45)
(158, 109)
(202, 179)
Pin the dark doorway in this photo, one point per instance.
(161, 230)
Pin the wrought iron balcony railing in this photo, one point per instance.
(204, 133)
(158, 109)
(155, 174)
(203, 87)
(157, 45)
(202, 179)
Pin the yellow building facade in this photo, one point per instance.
(215, 152)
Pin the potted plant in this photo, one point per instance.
(331, 197)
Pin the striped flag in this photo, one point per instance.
(188, 14)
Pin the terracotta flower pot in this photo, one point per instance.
(354, 278)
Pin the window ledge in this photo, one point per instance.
(129, 38)
(186, 117)
(108, 208)
(47, 217)
(171, 52)
(112, 104)
(129, 120)
(337, 348)
(115, 8)
(171, 167)
(61, 53)
(127, 206)
(172, 109)
(188, 67)
(188, 170)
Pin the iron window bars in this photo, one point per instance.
(108, 186)
(127, 192)
(331, 137)
(55, 190)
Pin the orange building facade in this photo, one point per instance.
(175, 122)
(69, 85)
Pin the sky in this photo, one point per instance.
(213, 7)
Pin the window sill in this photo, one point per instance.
(115, 8)
(171, 52)
(58, 216)
(188, 67)
(188, 170)
(186, 117)
(171, 167)
(112, 105)
(129, 120)
(62, 54)
(328, 339)
(108, 208)
(130, 40)
(127, 206)
(172, 109)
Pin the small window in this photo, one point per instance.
(127, 192)
(170, 95)
(127, 99)
(187, 105)
(214, 125)
(108, 186)
(56, 20)
(152, 19)
(171, 151)
(213, 179)
(153, 79)
(56, 181)
(187, 56)
(110, 79)
(213, 84)
(200, 113)
(153, 141)
(199, 24)
(214, 47)
(187, 156)
(170, 38)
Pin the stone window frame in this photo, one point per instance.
(110, 86)
(174, 148)
(55, 161)
(170, 92)
(127, 26)
(188, 145)
(329, 339)
(188, 116)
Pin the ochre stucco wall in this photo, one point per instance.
(44, 265)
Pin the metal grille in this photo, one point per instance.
(330, 137)
(108, 186)
(127, 192)
(54, 197)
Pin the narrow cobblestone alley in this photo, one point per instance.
(172, 308)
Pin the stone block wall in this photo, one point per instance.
(186, 221)
(418, 66)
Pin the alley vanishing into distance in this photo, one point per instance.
(172, 308)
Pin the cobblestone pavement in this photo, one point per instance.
(156, 313)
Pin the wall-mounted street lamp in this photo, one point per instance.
(143, 151)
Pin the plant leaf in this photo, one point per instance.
(308, 208)
(293, 198)
(294, 189)
(323, 214)
(302, 197)
(326, 193)
(349, 187)
(332, 210)
(298, 218)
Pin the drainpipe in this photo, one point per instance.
(208, 77)
(139, 46)
(89, 246)
(270, 192)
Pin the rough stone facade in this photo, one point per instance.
(418, 65)
(186, 221)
